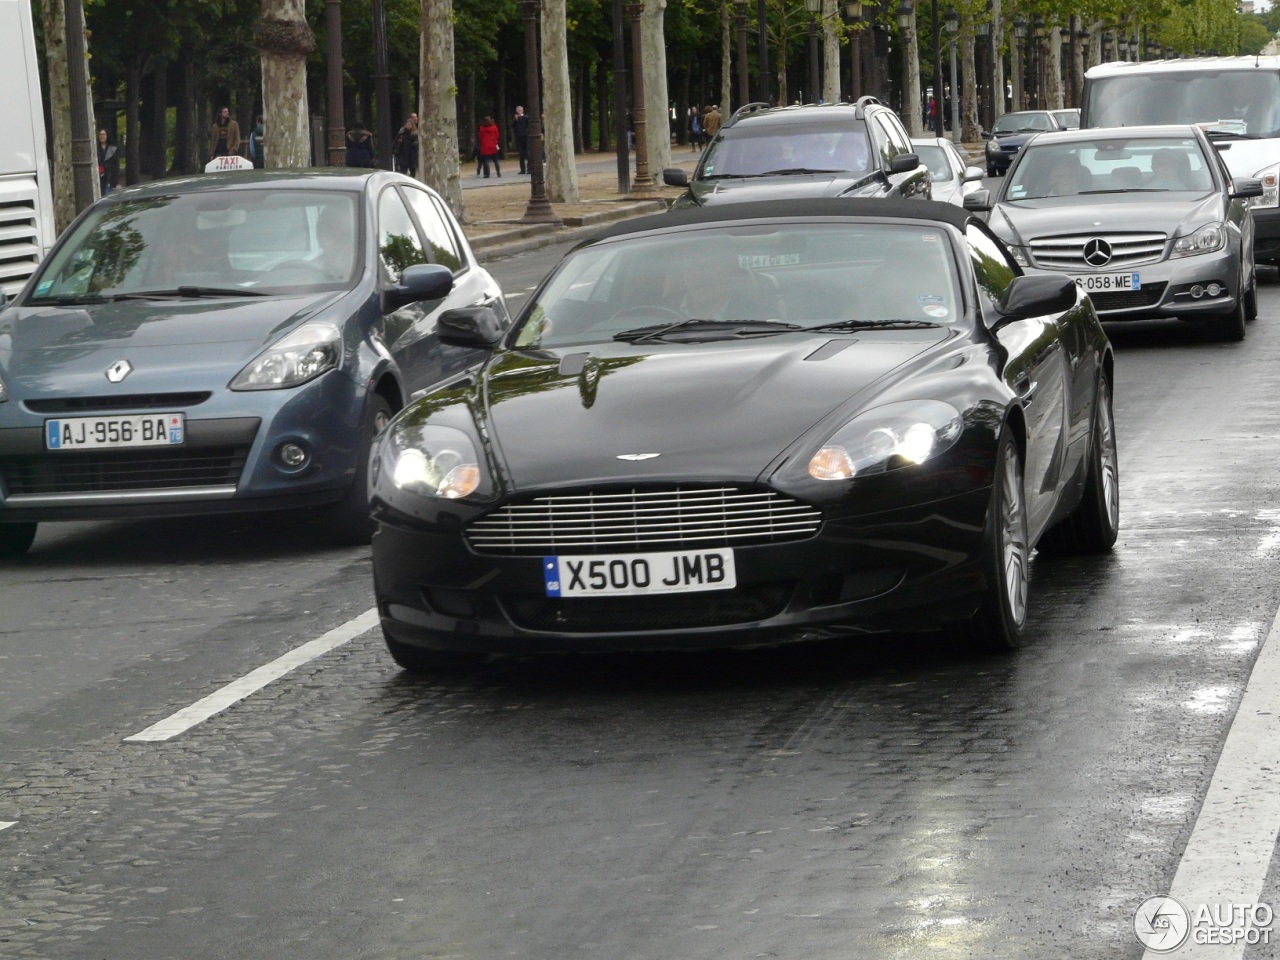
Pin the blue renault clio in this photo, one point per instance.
(227, 343)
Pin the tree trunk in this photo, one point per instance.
(438, 111)
(911, 106)
(830, 51)
(55, 44)
(1053, 70)
(284, 41)
(160, 119)
(970, 127)
(132, 124)
(187, 130)
(656, 99)
(557, 104)
(726, 61)
(602, 101)
(784, 96)
(997, 63)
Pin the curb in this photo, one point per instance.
(519, 239)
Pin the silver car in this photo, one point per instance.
(952, 175)
(1146, 219)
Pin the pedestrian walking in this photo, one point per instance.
(489, 137)
(405, 149)
(695, 127)
(257, 150)
(360, 147)
(712, 122)
(520, 127)
(108, 164)
(224, 135)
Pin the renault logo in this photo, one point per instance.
(119, 370)
(638, 456)
(1097, 252)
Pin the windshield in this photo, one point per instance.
(1068, 118)
(287, 241)
(935, 158)
(1023, 123)
(1232, 102)
(745, 281)
(750, 152)
(1132, 167)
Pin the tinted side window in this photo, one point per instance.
(991, 266)
(440, 245)
(398, 243)
(897, 132)
(884, 143)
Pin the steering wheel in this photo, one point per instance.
(653, 312)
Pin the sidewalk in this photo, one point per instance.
(493, 209)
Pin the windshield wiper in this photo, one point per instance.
(732, 328)
(789, 170)
(728, 176)
(878, 325)
(189, 293)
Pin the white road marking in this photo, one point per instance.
(6, 824)
(252, 682)
(1234, 837)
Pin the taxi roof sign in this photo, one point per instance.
(219, 164)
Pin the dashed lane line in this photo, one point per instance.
(252, 682)
(1234, 837)
(6, 824)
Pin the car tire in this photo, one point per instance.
(350, 520)
(422, 661)
(992, 171)
(1251, 298)
(1092, 527)
(16, 538)
(1231, 327)
(999, 622)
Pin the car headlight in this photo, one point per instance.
(301, 356)
(1210, 237)
(888, 437)
(1270, 177)
(431, 461)
(993, 145)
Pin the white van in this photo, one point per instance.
(26, 189)
(1235, 99)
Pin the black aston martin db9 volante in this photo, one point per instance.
(745, 425)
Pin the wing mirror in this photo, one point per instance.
(978, 201)
(422, 281)
(973, 173)
(904, 163)
(1036, 296)
(675, 177)
(469, 327)
(1244, 187)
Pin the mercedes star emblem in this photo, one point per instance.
(1097, 252)
(638, 456)
(119, 370)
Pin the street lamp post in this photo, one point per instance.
(539, 208)
(82, 151)
(813, 8)
(1039, 73)
(986, 87)
(744, 88)
(333, 65)
(938, 91)
(762, 52)
(905, 12)
(643, 184)
(382, 83)
(620, 98)
(1019, 34)
(853, 11)
(952, 21)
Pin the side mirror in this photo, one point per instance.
(979, 200)
(469, 327)
(675, 177)
(1242, 188)
(1036, 296)
(422, 281)
(904, 163)
(973, 173)
(985, 134)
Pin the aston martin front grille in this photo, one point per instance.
(1068, 252)
(644, 519)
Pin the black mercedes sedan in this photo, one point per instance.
(748, 425)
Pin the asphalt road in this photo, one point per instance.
(884, 798)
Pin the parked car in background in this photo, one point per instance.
(1068, 119)
(227, 343)
(745, 425)
(1236, 100)
(951, 174)
(1010, 133)
(1146, 219)
(810, 150)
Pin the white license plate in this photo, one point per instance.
(134, 430)
(1098, 282)
(631, 574)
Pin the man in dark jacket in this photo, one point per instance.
(224, 135)
(360, 147)
(520, 127)
(405, 149)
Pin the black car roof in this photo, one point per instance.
(324, 178)
(861, 208)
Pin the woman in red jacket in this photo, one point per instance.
(488, 137)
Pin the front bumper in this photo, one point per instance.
(227, 463)
(906, 569)
(1266, 234)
